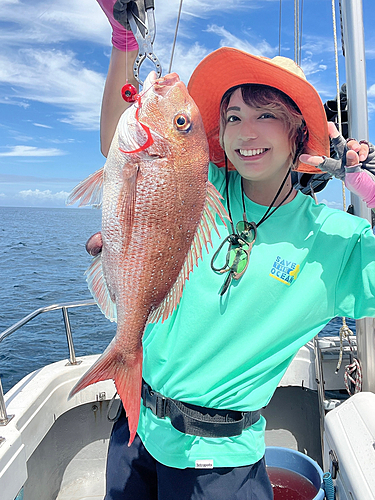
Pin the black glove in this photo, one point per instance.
(122, 8)
(336, 167)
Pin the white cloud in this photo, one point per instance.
(371, 91)
(49, 22)
(332, 204)
(41, 125)
(46, 195)
(32, 151)
(229, 40)
(55, 78)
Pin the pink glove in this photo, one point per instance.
(362, 183)
(122, 39)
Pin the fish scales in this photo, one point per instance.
(158, 212)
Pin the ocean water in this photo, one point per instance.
(43, 260)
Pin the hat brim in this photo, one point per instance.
(226, 68)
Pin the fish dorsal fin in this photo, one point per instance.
(89, 191)
(202, 238)
(99, 290)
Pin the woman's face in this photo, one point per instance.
(256, 141)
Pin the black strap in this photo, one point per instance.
(198, 420)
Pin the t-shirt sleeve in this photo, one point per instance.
(216, 176)
(355, 290)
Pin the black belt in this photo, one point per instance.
(198, 420)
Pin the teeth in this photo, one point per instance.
(252, 152)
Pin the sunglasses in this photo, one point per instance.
(237, 257)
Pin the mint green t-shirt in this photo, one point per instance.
(309, 264)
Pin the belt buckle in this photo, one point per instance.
(154, 401)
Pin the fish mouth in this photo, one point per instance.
(161, 85)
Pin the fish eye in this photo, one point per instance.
(182, 122)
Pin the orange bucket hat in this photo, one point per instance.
(227, 67)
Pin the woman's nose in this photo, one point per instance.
(248, 130)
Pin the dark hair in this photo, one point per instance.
(264, 96)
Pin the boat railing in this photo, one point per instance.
(64, 307)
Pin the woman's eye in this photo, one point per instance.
(267, 115)
(232, 118)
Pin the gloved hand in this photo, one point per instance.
(122, 8)
(355, 165)
(123, 39)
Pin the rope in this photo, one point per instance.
(342, 31)
(353, 377)
(353, 371)
(280, 29)
(175, 36)
(338, 90)
(295, 31)
(345, 330)
(298, 11)
(300, 36)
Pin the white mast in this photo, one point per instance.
(354, 45)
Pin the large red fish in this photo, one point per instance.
(158, 213)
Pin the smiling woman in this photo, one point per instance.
(220, 355)
(256, 138)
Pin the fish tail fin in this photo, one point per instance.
(127, 375)
(129, 385)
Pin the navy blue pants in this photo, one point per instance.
(133, 474)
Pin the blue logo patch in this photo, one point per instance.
(284, 270)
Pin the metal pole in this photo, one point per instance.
(69, 337)
(319, 378)
(4, 418)
(353, 31)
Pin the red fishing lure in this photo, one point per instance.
(129, 92)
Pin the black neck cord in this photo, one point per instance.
(268, 211)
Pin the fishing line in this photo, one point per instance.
(175, 36)
(128, 91)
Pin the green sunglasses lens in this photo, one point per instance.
(237, 259)
(246, 230)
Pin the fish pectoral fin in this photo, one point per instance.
(89, 191)
(99, 290)
(126, 201)
(202, 238)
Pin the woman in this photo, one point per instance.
(292, 266)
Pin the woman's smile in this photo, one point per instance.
(252, 154)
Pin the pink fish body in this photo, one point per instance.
(158, 210)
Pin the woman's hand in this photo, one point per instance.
(355, 165)
(348, 154)
(122, 38)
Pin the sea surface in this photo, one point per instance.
(43, 261)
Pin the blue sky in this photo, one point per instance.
(54, 57)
